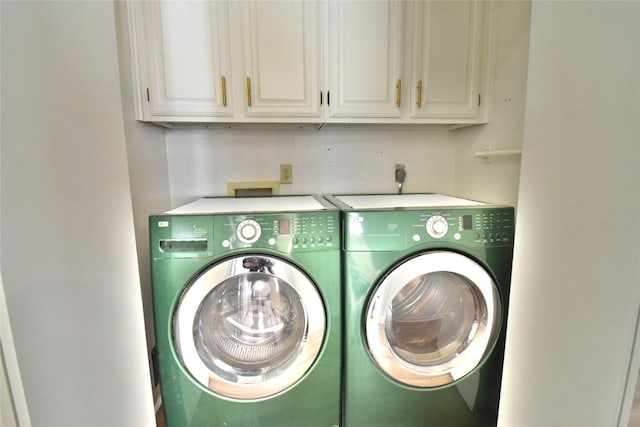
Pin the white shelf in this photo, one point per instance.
(490, 153)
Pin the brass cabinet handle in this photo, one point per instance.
(419, 94)
(398, 91)
(249, 91)
(224, 91)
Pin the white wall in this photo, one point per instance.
(576, 279)
(147, 161)
(67, 237)
(497, 180)
(201, 162)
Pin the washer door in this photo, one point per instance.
(250, 326)
(433, 319)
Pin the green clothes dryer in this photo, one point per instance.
(426, 280)
(247, 307)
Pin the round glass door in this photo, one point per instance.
(433, 319)
(249, 327)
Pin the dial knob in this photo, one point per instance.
(248, 231)
(437, 226)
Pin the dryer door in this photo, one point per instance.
(250, 326)
(433, 319)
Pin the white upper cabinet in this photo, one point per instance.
(449, 61)
(282, 49)
(220, 61)
(365, 58)
(185, 71)
(304, 61)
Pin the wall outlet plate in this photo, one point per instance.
(286, 174)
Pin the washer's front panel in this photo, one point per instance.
(183, 248)
(380, 388)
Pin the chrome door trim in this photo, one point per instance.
(250, 386)
(485, 331)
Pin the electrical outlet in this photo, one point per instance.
(401, 176)
(286, 174)
(400, 173)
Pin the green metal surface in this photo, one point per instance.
(375, 242)
(178, 254)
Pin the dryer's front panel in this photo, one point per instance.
(433, 319)
(249, 326)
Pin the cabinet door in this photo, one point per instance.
(282, 46)
(188, 60)
(448, 57)
(365, 58)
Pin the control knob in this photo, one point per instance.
(437, 226)
(248, 231)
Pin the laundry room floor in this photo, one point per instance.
(160, 418)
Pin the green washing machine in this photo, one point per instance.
(426, 280)
(247, 304)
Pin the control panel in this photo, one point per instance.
(187, 236)
(296, 232)
(471, 227)
(401, 229)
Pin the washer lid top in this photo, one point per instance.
(208, 205)
(389, 201)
